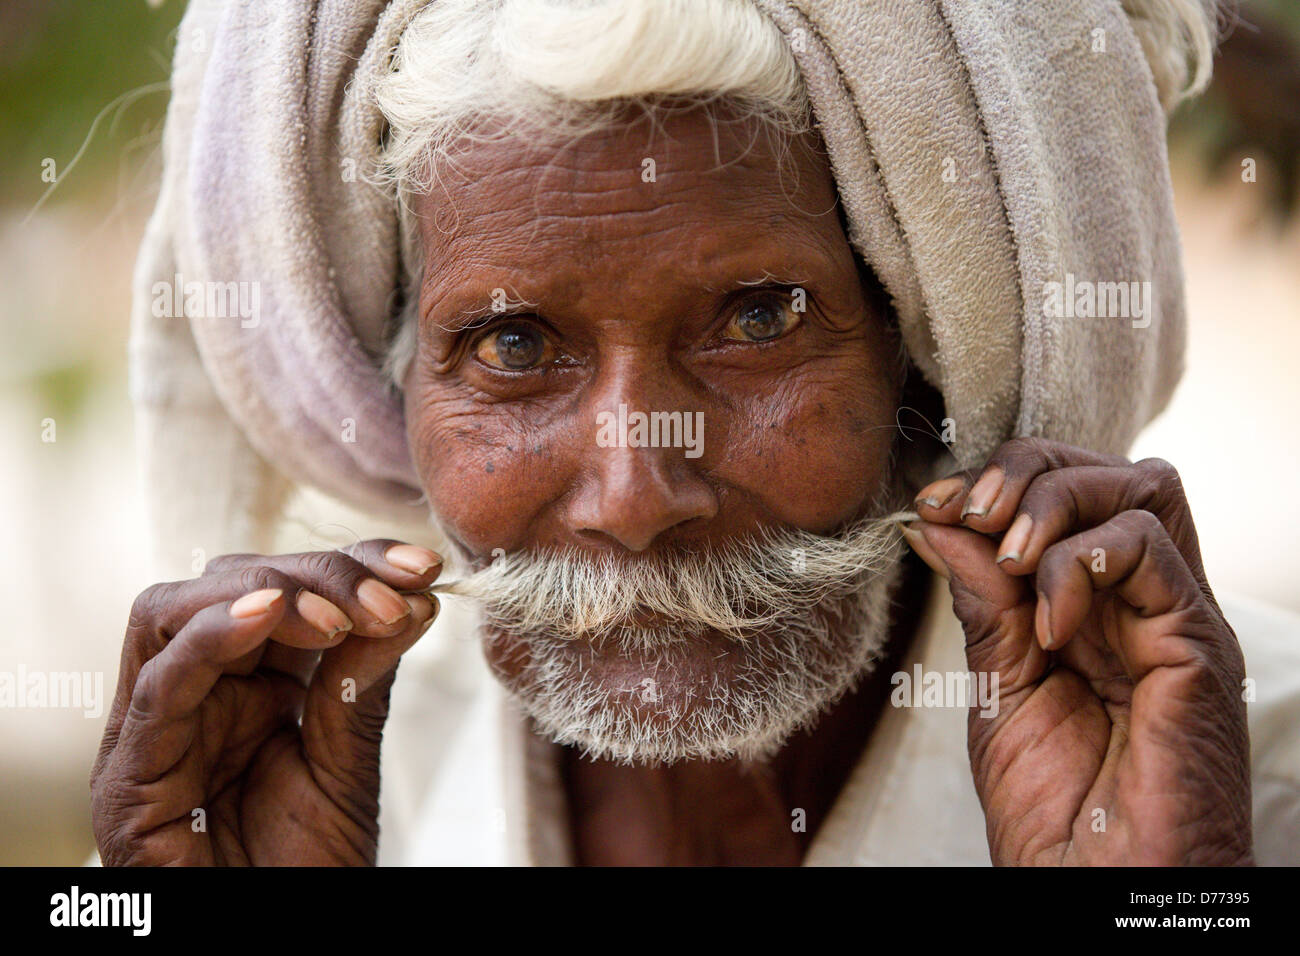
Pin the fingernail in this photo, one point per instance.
(939, 493)
(433, 601)
(321, 614)
(410, 558)
(382, 601)
(1044, 623)
(926, 553)
(255, 603)
(1016, 539)
(985, 492)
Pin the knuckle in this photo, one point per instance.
(106, 792)
(149, 602)
(1158, 466)
(144, 695)
(330, 566)
(227, 562)
(1046, 489)
(1164, 475)
(1205, 675)
(259, 576)
(1027, 447)
(116, 821)
(1141, 523)
(368, 548)
(1053, 563)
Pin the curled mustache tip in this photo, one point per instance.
(464, 587)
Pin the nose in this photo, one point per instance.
(636, 494)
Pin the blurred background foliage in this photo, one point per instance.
(62, 64)
(1252, 107)
(83, 92)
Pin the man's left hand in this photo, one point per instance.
(1120, 733)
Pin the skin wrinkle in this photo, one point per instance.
(535, 168)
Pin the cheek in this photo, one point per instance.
(815, 449)
(488, 471)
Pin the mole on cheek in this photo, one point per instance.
(489, 468)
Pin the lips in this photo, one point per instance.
(649, 625)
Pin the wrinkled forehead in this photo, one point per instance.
(698, 183)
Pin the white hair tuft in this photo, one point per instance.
(1178, 38)
(568, 68)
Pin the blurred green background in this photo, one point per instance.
(83, 91)
(61, 64)
(86, 81)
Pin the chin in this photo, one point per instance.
(669, 692)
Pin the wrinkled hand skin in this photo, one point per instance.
(247, 718)
(1120, 682)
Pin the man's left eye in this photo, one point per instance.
(762, 321)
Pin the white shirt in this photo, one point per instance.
(466, 782)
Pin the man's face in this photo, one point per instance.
(571, 289)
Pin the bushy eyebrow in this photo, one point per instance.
(477, 316)
(765, 279)
(796, 262)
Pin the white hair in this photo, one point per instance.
(1178, 38)
(738, 589)
(571, 68)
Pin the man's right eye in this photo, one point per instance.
(515, 347)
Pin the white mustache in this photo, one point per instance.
(738, 590)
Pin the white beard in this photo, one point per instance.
(793, 636)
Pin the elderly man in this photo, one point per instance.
(674, 317)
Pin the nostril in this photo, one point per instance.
(637, 536)
(625, 540)
(635, 499)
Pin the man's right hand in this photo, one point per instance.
(250, 706)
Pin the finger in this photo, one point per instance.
(156, 729)
(164, 609)
(306, 621)
(967, 560)
(1061, 502)
(403, 566)
(985, 499)
(1133, 556)
(372, 605)
(347, 702)
(406, 567)
(940, 502)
